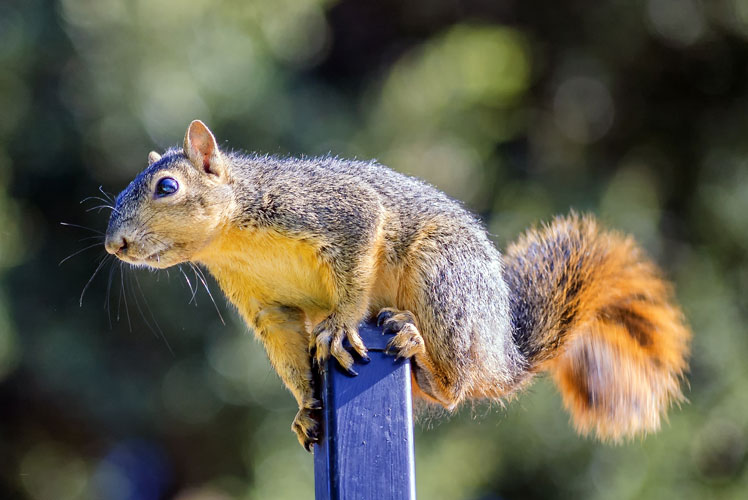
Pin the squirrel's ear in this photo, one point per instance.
(202, 150)
(153, 157)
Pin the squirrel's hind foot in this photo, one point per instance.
(327, 339)
(407, 341)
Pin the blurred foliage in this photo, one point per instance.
(636, 111)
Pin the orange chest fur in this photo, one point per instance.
(264, 267)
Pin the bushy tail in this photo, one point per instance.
(593, 310)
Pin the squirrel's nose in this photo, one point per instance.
(116, 245)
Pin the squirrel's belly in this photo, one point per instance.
(266, 267)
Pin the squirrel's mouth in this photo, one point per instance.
(159, 259)
(155, 259)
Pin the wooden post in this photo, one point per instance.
(366, 444)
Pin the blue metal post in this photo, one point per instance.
(366, 444)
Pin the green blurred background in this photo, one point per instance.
(634, 110)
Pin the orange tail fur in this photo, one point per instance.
(593, 310)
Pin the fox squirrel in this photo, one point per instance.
(307, 248)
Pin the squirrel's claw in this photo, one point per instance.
(327, 339)
(393, 320)
(306, 427)
(407, 341)
(385, 314)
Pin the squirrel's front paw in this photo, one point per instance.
(327, 338)
(306, 427)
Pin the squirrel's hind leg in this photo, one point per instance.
(452, 283)
(408, 343)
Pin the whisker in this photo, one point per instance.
(89, 247)
(197, 285)
(102, 207)
(145, 222)
(123, 295)
(151, 237)
(89, 198)
(189, 285)
(99, 238)
(108, 196)
(157, 329)
(107, 297)
(82, 227)
(98, 268)
(199, 272)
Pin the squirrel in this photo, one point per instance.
(306, 248)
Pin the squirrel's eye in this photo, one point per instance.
(166, 186)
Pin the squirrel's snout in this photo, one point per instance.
(116, 245)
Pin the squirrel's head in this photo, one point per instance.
(175, 207)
